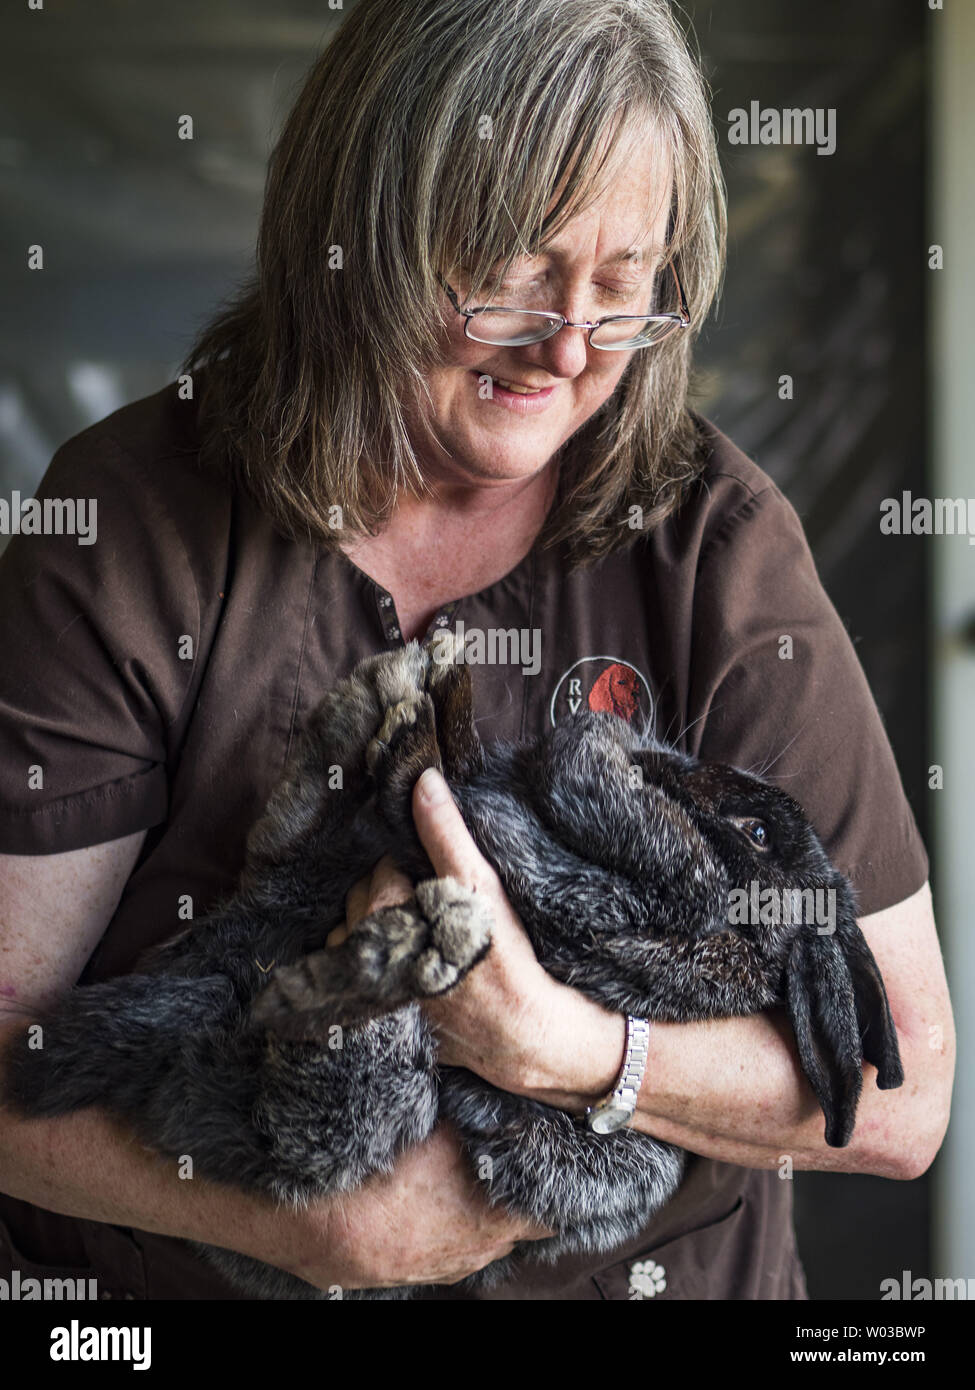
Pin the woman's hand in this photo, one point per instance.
(508, 1020)
(426, 1222)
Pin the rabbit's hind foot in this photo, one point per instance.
(458, 934)
(346, 719)
(404, 746)
(308, 800)
(413, 950)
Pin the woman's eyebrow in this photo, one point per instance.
(653, 251)
(636, 258)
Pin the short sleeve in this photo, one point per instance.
(778, 689)
(98, 629)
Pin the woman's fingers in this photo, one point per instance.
(389, 885)
(357, 903)
(384, 887)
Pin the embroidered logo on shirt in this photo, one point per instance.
(607, 684)
(646, 1280)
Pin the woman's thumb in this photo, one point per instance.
(442, 831)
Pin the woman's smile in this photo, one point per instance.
(523, 401)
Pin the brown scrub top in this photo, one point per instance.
(157, 679)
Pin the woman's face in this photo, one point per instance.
(504, 436)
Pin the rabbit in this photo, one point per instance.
(247, 1044)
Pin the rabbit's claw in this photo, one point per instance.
(407, 726)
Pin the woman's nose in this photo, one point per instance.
(566, 353)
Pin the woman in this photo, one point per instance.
(356, 456)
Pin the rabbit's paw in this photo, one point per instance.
(405, 744)
(308, 799)
(407, 723)
(409, 951)
(458, 934)
(346, 720)
(418, 948)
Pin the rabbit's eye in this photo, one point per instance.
(756, 831)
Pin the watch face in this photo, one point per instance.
(609, 1118)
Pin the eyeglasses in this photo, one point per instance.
(508, 327)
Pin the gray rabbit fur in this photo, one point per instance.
(617, 851)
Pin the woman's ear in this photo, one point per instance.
(840, 1016)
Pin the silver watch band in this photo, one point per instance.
(619, 1106)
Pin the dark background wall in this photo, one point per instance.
(827, 282)
(143, 233)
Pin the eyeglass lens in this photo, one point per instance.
(514, 329)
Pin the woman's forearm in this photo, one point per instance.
(426, 1222)
(731, 1089)
(87, 1165)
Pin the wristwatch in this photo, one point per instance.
(617, 1109)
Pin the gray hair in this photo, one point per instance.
(306, 372)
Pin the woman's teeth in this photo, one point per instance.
(521, 390)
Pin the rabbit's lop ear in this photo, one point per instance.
(840, 1015)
